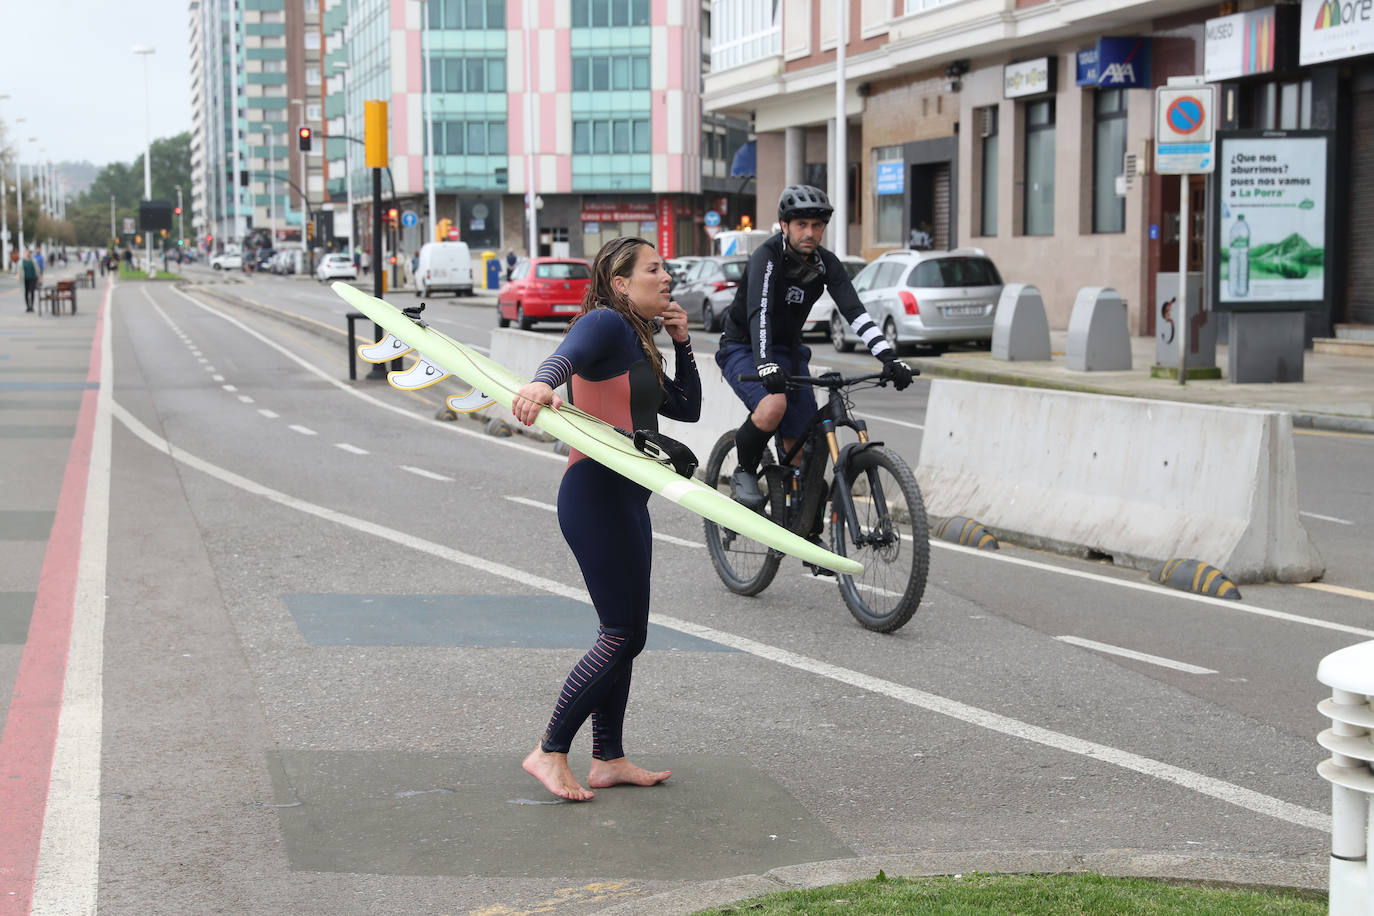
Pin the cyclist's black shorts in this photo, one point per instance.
(738, 359)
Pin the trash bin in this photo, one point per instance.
(491, 270)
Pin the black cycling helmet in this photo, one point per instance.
(801, 201)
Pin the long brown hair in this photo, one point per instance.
(617, 259)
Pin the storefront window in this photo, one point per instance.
(1109, 151)
(988, 188)
(1039, 202)
(888, 206)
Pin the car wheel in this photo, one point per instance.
(890, 335)
(837, 338)
(708, 317)
(215, 266)
(520, 319)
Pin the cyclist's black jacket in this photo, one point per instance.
(771, 305)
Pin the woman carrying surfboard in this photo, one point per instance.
(617, 375)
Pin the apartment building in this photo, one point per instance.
(1026, 128)
(219, 210)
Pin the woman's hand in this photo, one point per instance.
(675, 322)
(531, 398)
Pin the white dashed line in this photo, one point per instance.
(303, 430)
(245, 399)
(874, 416)
(423, 473)
(217, 378)
(351, 449)
(1138, 656)
(230, 387)
(269, 414)
(1327, 518)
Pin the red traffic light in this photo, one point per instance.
(393, 259)
(176, 210)
(304, 134)
(209, 239)
(392, 214)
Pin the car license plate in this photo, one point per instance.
(957, 310)
(566, 308)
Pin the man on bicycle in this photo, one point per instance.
(763, 330)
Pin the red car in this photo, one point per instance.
(543, 289)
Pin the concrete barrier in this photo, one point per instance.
(1099, 335)
(1020, 330)
(1137, 480)
(523, 351)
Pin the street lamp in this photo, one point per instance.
(4, 218)
(144, 51)
(181, 231)
(342, 70)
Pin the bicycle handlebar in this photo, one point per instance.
(824, 381)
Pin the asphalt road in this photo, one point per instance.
(335, 625)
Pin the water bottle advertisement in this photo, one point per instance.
(1272, 231)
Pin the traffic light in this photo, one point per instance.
(304, 134)
(393, 217)
(177, 211)
(393, 259)
(441, 230)
(209, 239)
(310, 230)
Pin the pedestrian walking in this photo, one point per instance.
(29, 269)
(617, 374)
(511, 261)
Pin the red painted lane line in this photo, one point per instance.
(26, 747)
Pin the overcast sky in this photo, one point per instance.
(70, 72)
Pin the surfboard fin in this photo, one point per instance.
(473, 400)
(666, 450)
(385, 350)
(421, 375)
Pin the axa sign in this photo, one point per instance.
(1116, 63)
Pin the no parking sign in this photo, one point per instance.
(1185, 138)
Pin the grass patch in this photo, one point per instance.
(139, 274)
(1027, 895)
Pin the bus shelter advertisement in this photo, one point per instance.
(1273, 226)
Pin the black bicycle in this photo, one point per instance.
(876, 512)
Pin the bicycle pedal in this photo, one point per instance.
(819, 572)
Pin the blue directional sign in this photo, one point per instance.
(408, 218)
(712, 218)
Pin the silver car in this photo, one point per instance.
(705, 292)
(930, 298)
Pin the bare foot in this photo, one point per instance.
(552, 770)
(618, 772)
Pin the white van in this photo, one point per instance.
(738, 241)
(444, 267)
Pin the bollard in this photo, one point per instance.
(1349, 672)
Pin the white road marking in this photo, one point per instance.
(1211, 787)
(874, 416)
(423, 473)
(1337, 590)
(1326, 518)
(229, 387)
(351, 449)
(67, 875)
(217, 378)
(246, 399)
(658, 536)
(269, 414)
(303, 430)
(1131, 653)
(1158, 591)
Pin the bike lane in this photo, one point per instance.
(34, 716)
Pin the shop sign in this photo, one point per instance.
(1272, 245)
(1334, 29)
(667, 228)
(1030, 77)
(1115, 63)
(616, 212)
(1240, 45)
(891, 178)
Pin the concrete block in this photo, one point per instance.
(523, 351)
(1265, 347)
(1020, 331)
(1099, 336)
(1137, 480)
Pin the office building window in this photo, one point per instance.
(596, 73)
(889, 206)
(467, 14)
(470, 138)
(468, 74)
(612, 135)
(602, 13)
(987, 188)
(1109, 151)
(1039, 200)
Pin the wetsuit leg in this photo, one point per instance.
(605, 520)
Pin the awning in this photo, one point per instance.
(745, 163)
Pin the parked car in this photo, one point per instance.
(336, 267)
(678, 267)
(543, 289)
(709, 277)
(444, 267)
(930, 298)
(227, 260)
(262, 258)
(818, 319)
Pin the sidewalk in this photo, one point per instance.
(1337, 392)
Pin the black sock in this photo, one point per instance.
(749, 445)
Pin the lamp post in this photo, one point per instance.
(4, 218)
(429, 124)
(305, 169)
(144, 51)
(342, 70)
(181, 231)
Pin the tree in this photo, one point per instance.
(171, 166)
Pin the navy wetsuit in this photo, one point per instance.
(605, 517)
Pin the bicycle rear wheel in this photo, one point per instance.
(746, 566)
(893, 541)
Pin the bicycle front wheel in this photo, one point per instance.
(746, 566)
(892, 540)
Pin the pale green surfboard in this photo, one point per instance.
(591, 436)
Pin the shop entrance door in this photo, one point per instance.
(930, 203)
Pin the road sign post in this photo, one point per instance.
(1185, 144)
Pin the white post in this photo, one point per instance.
(144, 51)
(113, 236)
(19, 197)
(531, 197)
(1349, 672)
(839, 238)
(428, 233)
(4, 227)
(1183, 234)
